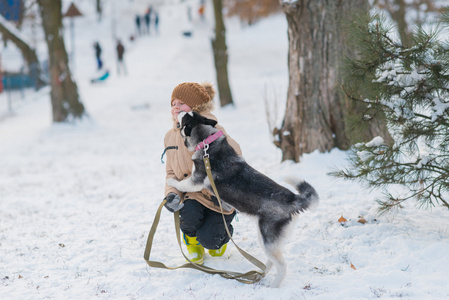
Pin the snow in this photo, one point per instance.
(77, 201)
(439, 108)
(364, 155)
(423, 161)
(375, 142)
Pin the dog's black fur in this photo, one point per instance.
(241, 186)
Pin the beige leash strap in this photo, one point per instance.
(248, 277)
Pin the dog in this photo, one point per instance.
(242, 187)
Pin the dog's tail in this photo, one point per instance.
(307, 198)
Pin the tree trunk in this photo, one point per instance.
(65, 100)
(314, 116)
(397, 12)
(28, 53)
(99, 9)
(221, 56)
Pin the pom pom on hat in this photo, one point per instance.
(193, 94)
(209, 88)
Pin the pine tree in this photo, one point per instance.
(410, 86)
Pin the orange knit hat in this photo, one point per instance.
(193, 94)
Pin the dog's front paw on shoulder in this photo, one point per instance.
(172, 182)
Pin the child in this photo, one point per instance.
(200, 217)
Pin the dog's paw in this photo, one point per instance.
(172, 182)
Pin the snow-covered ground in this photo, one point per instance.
(77, 201)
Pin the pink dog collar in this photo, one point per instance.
(209, 140)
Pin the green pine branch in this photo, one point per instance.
(410, 88)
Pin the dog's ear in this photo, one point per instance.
(210, 122)
(204, 120)
(187, 130)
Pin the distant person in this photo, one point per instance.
(201, 11)
(120, 62)
(1, 80)
(137, 20)
(156, 22)
(147, 18)
(98, 55)
(189, 13)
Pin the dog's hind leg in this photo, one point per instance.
(269, 265)
(271, 232)
(275, 256)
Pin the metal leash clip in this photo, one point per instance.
(206, 147)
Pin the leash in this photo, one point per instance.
(248, 277)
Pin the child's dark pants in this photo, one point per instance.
(207, 225)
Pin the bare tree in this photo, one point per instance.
(29, 54)
(315, 112)
(221, 56)
(65, 100)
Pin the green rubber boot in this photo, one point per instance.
(218, 252)
(195, 249)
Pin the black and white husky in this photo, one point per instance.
(241, 186)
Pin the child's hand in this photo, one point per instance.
(173, 202)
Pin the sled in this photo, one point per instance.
(187, 33)
(102, 77)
